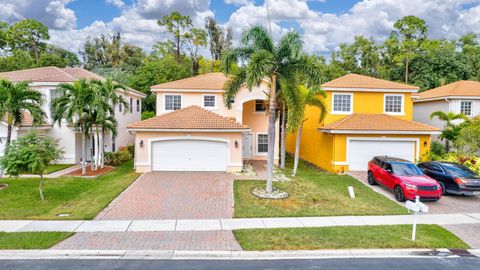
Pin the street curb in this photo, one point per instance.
(224, 255)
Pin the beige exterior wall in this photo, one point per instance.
(143, 155)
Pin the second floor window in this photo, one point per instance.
(209, 101)
(173, 102)
(342, 103)
(259, 105)
(131, 105)
(138, 105)
(466, 108)
(120, 107)
(394, 104)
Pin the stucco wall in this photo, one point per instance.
(143, 155)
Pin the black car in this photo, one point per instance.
(454, 178)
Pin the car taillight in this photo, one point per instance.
(459, 181)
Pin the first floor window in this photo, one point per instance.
(342, 103)
(209, 101)
(466, 108)
(113, 144)
(173, 102)
(393, 103)
(259, 105)
(262, 143)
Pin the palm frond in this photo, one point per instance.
(258, 38)
(232, 86)
(261, 65)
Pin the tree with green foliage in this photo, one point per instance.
(450, 131)
(31, 154)
(265, 59)
(196, 38)
(409, 34)
(362, 56)
(28, 35)
(58, 57)
(15, 100)
(177, 25)
(468, 140)
(218, 39)
(3, 35)
(72, 104)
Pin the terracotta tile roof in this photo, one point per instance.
(209, 81)
(27, 121)
(361, 81)
(377, 122)
(53, 74)
(460, 88)
(192, 117)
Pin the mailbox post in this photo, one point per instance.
(416, 207)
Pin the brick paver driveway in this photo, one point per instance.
(174, 195)
(450, 204)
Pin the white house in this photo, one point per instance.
(458, 97)
(45, 80)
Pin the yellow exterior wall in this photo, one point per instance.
(324, 149)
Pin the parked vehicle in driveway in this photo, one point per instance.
(404, 178)
(454, 178)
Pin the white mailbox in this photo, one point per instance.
(416, 207)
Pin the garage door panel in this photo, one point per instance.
(360, 152)
(189, 155)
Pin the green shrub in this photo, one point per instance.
(438, 149)
(131, 149)
(147, 115)
(117, 158)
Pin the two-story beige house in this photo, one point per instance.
(195, 131)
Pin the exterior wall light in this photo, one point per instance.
(141, 143)
(425, 143)
(236, 144)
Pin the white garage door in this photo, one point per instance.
(189, 155)
(360, 152)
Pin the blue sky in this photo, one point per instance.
(324, 23)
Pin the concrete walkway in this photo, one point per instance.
(54, 174)
(227, 224)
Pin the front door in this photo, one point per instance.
(247, 146)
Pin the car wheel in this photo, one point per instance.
(399, 195)
(444, 191)
(371, 179)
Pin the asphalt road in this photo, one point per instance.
(324, 264)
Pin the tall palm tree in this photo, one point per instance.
(262, 58)
(298, 97)
(15, 100)
(450, 131)
(104, 103)
(73, 104)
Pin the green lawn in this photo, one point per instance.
(31, 240)
(391, 236)
(80, 197)
(313, 193)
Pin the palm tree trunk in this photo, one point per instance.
(40, 190)
(7, 143)
(406, 71)
(84, 153)
(297, 150)
(271, 133)
(283, 137)
(102, 156)
(92, 151)
(447, 145)
(97, 149)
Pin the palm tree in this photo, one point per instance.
(262, 58)
(450, 131)
(297, 98)
(103, 106)
(15, 100)
(73, 104)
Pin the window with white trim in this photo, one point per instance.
(173, 102)
(259, 105)
(262, 143)
(120, 107)
(131, 105)
(138, 105)
(466, 108)
(394, 104)
(342, 103)
(209, 101)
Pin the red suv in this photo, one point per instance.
(404, 178)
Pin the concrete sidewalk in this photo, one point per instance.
(226, 255)
(227, 224)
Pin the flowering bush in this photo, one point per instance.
(472, 162)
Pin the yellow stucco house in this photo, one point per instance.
(366, 117)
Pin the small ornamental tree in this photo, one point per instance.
(31, 154)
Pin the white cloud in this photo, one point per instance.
(116, 3)
(53, 13)
(238, 2)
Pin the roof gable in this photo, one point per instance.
(355, 81)
(459, 89)
(208, 81)
(192, 117)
